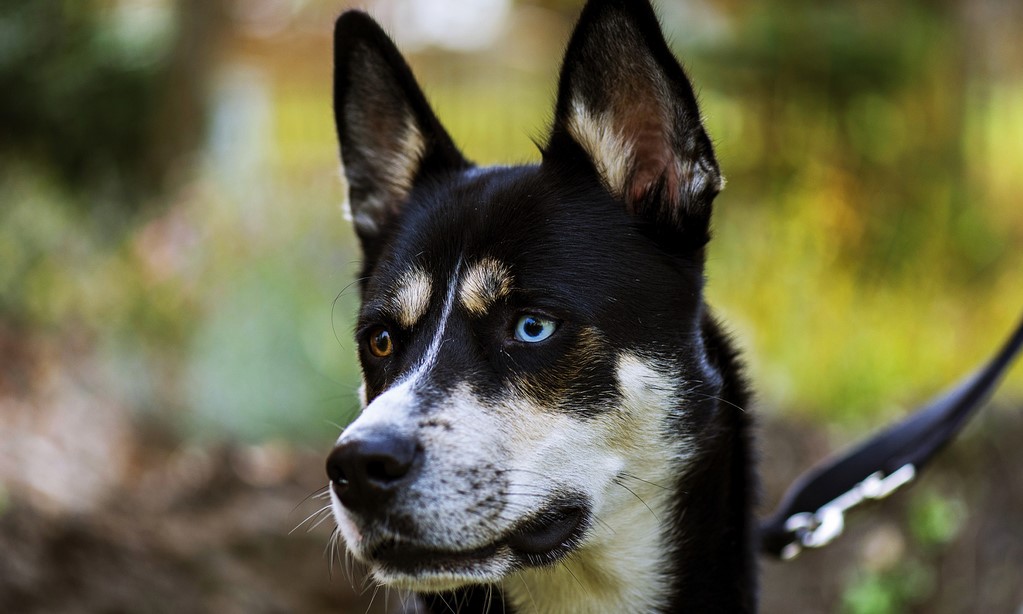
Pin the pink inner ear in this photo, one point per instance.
(653, 160)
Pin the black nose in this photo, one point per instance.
(366, 471)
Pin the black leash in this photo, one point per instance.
(812, 512)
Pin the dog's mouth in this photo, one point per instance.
(540, 540)
(549, 535)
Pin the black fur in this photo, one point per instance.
(622, 269)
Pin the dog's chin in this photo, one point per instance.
(540, 540)
(432, 571)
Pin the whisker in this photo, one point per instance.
(564, 564)
(639, 479)
(603, 523)
(333, 305)
(325, 508)
(529, 593)
(446, 604)
(349, 563)
(376, 590)
(329, 549)
(619, 483)
(320, 521)
(367, 583)
(717, 398)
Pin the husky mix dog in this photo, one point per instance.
(553, 421)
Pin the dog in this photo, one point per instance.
(553, 419)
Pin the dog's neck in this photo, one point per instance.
(714, 566)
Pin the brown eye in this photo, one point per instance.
(380, 344)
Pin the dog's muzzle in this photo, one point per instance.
(372, 474)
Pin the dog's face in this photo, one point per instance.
(534, 376)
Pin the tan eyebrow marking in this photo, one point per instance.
(483, 284)
(411, 297)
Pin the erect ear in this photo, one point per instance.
(624, 100)
(390, 139)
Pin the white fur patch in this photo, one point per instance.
(411, 297)
(610, 151)
(397, 166)
(631, 162)
(486, 282)
(430, 356)
(406, 159)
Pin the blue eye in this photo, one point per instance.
(533, 329)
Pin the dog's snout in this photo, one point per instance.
(366, 471)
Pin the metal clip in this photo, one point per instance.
(816, 529)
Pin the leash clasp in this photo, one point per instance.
(816, 529)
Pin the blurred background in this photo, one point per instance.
(175, 301)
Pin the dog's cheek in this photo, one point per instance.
(553, 452)
(652, 400)
(611, 454)
(646, 425)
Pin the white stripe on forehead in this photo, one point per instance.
(410, 297)
(430, 356)
(483, 284)
(392, 408)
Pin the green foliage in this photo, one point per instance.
(60, 275)
(891, 591)
(84, 93)
(935, 519)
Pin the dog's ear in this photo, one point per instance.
(390, 139)
(625, 103)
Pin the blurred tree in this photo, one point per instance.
(876, 92)
(104, 97)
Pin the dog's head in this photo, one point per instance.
(534, 373)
